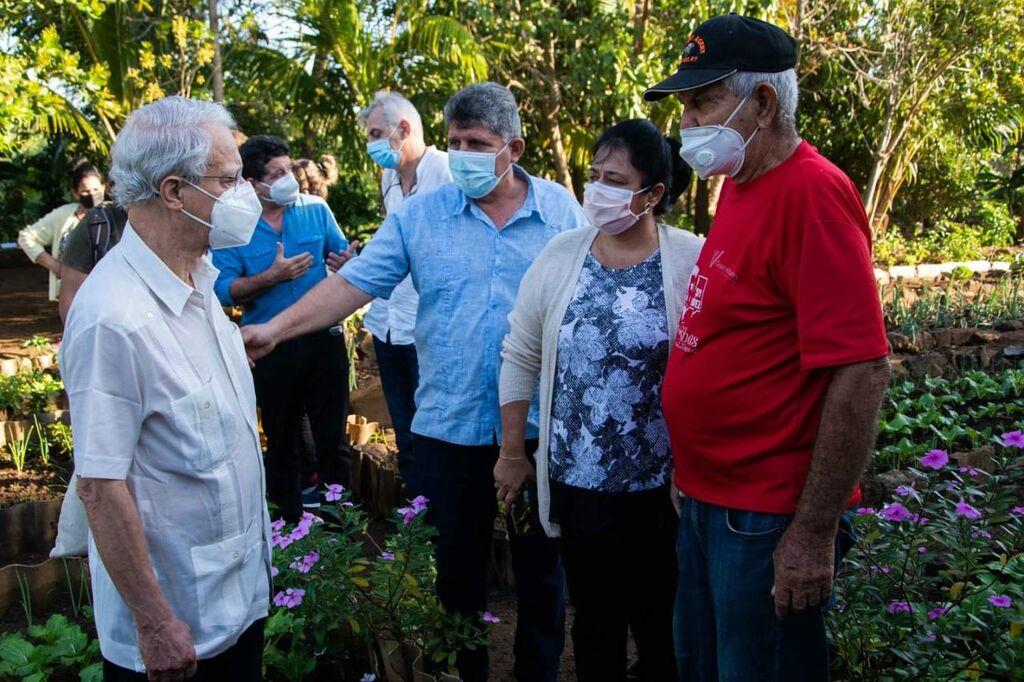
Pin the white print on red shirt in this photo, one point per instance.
(685, 341)
(717, 264)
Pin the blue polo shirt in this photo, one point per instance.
(467, 273)
(308, 227)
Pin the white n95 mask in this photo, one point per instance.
(716, 149)
(235, 215)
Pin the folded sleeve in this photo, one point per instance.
(383, 264)
(103, 386)
(34, 239)
(832, 284)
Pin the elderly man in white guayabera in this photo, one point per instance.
(166, 447)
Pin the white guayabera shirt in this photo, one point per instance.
(162, 397)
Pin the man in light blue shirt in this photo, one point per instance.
(295, 243)
(466, 245)
(394, 135)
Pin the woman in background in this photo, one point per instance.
(86, 183)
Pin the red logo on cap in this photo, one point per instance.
(694, 49)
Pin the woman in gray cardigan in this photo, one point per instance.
(594, 319)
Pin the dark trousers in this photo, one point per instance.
(459, 482)
(726, 629)
(610, 598)
(243, 662)
(306, 375)
(399, 376)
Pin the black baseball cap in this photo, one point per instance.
(724, 45)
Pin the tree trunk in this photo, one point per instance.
(550, 105)
(639, 29)
(217, 76)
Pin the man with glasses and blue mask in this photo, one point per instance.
(167, 453)
(467, 245)
(779, 366)
(394, 140)
(295, 243)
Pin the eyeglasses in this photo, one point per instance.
(236, 178)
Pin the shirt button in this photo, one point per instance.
(207, 405)
(149, 316)
(235, 555)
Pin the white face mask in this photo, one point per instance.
(234, 217)
(716, 149)
(608, 208)
(284, 190)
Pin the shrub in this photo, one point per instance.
(328, 595)
(934, 588)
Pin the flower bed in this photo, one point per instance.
(934, 587)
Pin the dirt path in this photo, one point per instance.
(25, 309)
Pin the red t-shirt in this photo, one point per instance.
(783, 289)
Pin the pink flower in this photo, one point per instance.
(937, 613)
(865, 511)
(935, 459)
(884, 570)
(281, 541)
(840, 607)
(904, 491)
(277, 525)
(922, 549)
(489, 617)
(979, 533)
(899, 607)
(967, 511)
(387, 556)
(1000, 601)
(1018, 511)
(274, 572)
(334, 492)
(895, 512)
(289, 598)
(419, 504)
(300, 532)
(970, 471)
(930, 637)
(304, 564)
(1013, 438)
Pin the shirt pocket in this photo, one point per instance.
(205, 431)
(226, 577)
(259, 259)
(314, 245)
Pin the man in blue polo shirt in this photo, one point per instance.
(467, 245)
(295, 243)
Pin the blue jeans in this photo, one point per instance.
(399, 376)
(725, 624)
(459, 482)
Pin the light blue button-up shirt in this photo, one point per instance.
(467, 273)
(308, 226)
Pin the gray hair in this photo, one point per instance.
(489, 104)
(394, 108)
(165, 137)
(742, 83)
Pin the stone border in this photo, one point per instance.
(937, 270)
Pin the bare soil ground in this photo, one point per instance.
(25, 308)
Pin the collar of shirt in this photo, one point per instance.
(431, 162)
(164, 284)
(529, 207)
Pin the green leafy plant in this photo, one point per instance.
(60, 435)
(19, 448)
(42, 442)
(329, 595)
(58, 645)
(954, 414)
(934, 588)
(952, 307)
(38, 344)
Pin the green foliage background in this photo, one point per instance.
(921, 102)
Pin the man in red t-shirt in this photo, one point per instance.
(778, 369)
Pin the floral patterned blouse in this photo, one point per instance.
(607, 429)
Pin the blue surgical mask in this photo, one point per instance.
(383, 154)
(474, 172)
